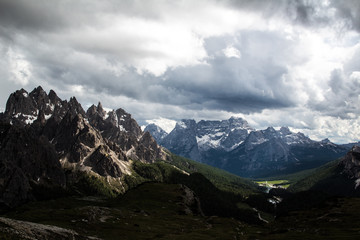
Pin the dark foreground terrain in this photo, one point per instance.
(166, 211)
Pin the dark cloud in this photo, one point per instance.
(299, 11)
(342, 99)
(343, 14)
(182, 59)
(252, 82)
(349, 10)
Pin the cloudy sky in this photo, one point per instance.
(273, 62)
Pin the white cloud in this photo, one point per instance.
(19, 68)
(166, 124)
(231, 51)
(183, 59)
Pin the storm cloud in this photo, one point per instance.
(261, 60)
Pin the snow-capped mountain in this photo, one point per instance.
(157, 132)
(225, 134)
(235, 146)
(189, 138)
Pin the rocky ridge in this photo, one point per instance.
(49, 137)
(236, 147)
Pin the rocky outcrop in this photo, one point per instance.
(119, 127)
(16, 229)
(351, 164)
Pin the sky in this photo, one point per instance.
(272, 62)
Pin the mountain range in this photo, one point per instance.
(99, 176)
(46, 141)
(235, 146)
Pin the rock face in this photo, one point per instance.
(351, 165)
(26, 160)
(182, 140)
(42, 137)
(236, 147)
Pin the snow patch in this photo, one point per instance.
(182, 125)
(205, 142)
(357, 183)
(30, 119)
(235, 146)
(121, 128)
(107, 111)
(25, 94)
(51, 106)
(259, 141)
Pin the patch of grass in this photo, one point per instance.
(274, 183)
(90, 184)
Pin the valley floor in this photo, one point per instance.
(160, 211)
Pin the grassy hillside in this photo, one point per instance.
(214, 201)
(221, 179)
(307, 180)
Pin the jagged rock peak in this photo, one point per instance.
(91, 110)
(270, 129)
(237, 119)
(185, 123)
(54, 97)
(19, 102)
(101, 110)
(127, 123)
(75, 107)
(285, 131)
(38, 90)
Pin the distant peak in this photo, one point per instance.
(52, 94)
(236, 118)
(38, 89)
(73, 100)
(99, 106)
(185, 123)
(22, 92)
(285, 130)
(270, 129)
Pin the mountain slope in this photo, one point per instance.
(234, 146)
(340, 177)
